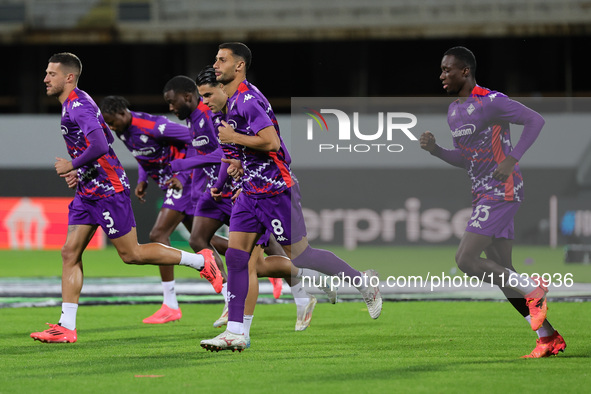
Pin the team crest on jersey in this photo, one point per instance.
(453, 113)
(161, 128)
(470, 109)
(144, 138)
(201, 123)
(232, 123)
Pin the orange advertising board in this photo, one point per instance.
(37, 223)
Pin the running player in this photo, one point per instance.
(102, 197)
(155, 141)
(213, 212)
(276, 263)
(270, 199)
(479, 122)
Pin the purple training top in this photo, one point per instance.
(265, 173)
(481, 135)
(105, 176)
(205, 141)
(155, 141)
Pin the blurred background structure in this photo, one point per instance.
(301, 48)
(306, 48)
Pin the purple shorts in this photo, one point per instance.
(179, 200)
(280, 214)
(210, 208)
(113, 213)
(493, 219)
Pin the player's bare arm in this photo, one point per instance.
(235, 169)
(71, 178)
(265, 140)
(174, 183)
(140, 190)
(427, 141)
(63, 166)
(505, 168)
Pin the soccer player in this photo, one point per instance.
(276, 263)
(213, 212)
(155, 141)
(270, 198)
(102, 197)
(479, 121)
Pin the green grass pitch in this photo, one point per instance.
(418, 346)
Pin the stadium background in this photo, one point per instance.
(525, 48)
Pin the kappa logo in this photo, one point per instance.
(169, 201)
(247, 97)
(453, 113)
(476, 224)
(281, 238)
(113, 231)
(470, 109)
(144, 138)
(161, 128)
(493, 96)
(77, 104)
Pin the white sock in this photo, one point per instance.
(235, 327)
(225, 292)
(523, 284)
(68, 318)
(300, 297)
(192, 260)
(545, 330)
(246, 325)
(169, 295)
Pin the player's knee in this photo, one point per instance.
(130, 257)
(69, 254)
(465, 262)
(157, 235)
(198, 243)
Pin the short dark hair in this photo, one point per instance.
(67, 59)
(207, 77)
(114, 105)
(180, 84)
(464, 55)
(238, 49)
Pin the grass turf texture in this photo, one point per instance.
(396, 261)
(413, 347)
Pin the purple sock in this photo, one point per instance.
(325, 262)
(237, 263)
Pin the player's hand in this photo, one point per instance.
(174, 183)
(505, 169)
(216, 194)
(71, 179)
(235, 169)
(63, 166)
(140, 191)
(236, 194)
(427, 141)
(226, 133)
